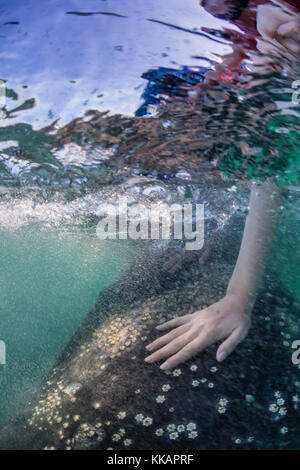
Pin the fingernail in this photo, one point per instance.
(164, 366)
(149, 347)
(221, 356)
(149, 359)
(158, 327)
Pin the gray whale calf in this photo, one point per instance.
(101, 394)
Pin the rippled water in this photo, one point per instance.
(100, 103)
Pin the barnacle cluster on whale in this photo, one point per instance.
(101, 394)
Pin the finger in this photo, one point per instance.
(178, 321)
(170, 349)
(158, 343)
(188, 351)
(231, 343)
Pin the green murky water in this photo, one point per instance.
(50, 280)
(285, 256)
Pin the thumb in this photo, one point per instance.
(231, 343)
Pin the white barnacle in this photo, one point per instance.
(193, 367)
(127, 442)
(221, 410)
(223, 402)
(176, 372)
(282, 411)
(273, 407)
(195, 383)
(147, 421)
(191, 426)
(192, 434)
(160, 399)
(72, 388)
(171, 427)
(139, 417)
(159, 432)
(173, 435)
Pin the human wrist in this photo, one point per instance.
(246, 298)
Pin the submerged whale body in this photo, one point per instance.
(102, 395)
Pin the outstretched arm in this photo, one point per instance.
(228, 319)
(259, 228)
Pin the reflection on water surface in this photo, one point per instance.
(172, 102)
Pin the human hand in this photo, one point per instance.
(279, 30)
(228, 319)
